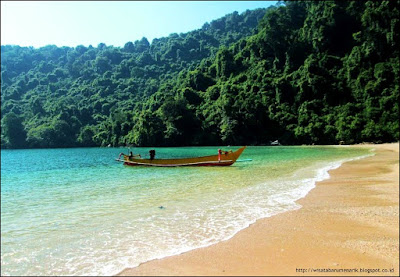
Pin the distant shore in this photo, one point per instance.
(348, 225)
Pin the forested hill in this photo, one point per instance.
(308, 72)
(86, 96)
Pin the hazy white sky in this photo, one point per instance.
(72, 23)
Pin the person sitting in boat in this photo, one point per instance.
(131, 155)
(220, 152)
(152, 154)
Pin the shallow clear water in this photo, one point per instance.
(79, 212)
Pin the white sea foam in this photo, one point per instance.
(260, 207)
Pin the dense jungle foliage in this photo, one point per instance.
(302, 72)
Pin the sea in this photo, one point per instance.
(78, 211)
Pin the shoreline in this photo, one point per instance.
(347, 224)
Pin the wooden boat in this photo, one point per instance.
(223, 158)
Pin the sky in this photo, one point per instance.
(73, 23)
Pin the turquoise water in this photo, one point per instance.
(79, 212)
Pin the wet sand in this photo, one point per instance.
(348, 225)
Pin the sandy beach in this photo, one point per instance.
(348, 225)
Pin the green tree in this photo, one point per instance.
(13, 130)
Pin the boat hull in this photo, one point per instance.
(226, 158)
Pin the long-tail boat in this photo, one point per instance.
(223, 158)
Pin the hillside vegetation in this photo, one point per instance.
(301, 72)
